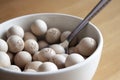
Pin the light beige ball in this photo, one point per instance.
(42, 44)
(86, 46)
(11, 55)
(35, 56)
(48, 67)
(14, 68)
(22, 58)
(39, 27)
(64, 35)
(59, 60)
(46, 54)
(15, 43)
(29, 70)
(33, 65)
(4, 59)
(58, 48)
(53, 35)
(73, 59)
(29, 35)
(15, 30)
(31, 46)
(3, 45)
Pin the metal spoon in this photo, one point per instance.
(94, 11)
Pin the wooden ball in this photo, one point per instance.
(15, 30)
(59, 60)
(86, 46)
(33, 65)
(73, 59)
(39, 27)
(3, 45)
(29, 35)
(58, 48)
(15, 43)
(53, 35)
(22, 58)
(48, 67)
(31, 46)
(46, 54)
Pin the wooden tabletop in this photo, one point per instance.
(108, 21)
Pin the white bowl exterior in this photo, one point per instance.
(82, 71)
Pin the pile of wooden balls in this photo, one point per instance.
(39, 50)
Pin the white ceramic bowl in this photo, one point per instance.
(81, 71)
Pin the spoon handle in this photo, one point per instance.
(84, 22)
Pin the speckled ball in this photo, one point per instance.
(58, 48)
(29, 35)
(4, 59)
(11, 55)
(3, 45)
(15, 30)
(35, 56)
(86, 46)
(59, 60)
(53, 35)
(14, 68)
(42, 44)
(31, 46)
(46, 54)
(64, 35)
(73, 59)
(29, 70)
(33, 65)
(22, 58)
(15, 43)
(39, 27)
(48, 67)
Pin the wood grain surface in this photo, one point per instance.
(108, 21)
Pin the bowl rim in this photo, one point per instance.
(100, 45)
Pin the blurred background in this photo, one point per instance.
(108, 21)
